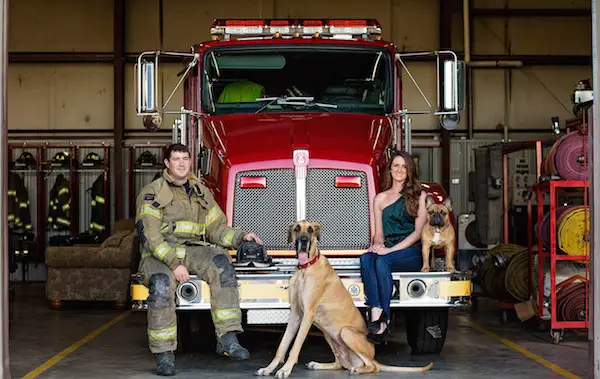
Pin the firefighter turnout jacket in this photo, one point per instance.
(59, 217)
(98, 222)
(168, 218)
(19, 214)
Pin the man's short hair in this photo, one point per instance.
(176, 147)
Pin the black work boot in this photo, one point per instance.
(165, 364)
(229, 346)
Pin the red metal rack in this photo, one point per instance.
(553, 187)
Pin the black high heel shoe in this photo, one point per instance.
(381, 338)
(373, 326)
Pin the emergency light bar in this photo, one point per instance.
(333, 28)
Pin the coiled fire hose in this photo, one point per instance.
(505, 274)
(572, 233)
(571, 301)
(567, 157)
(545, 226)
(570, 156)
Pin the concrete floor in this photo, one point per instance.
(38, 333)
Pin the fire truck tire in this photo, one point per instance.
(426, 330)
(193, 329)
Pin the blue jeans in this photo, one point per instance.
(376, 273)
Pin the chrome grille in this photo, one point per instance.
(267, 211)
(342, 212)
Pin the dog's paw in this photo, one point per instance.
(425, 269)
(311, 365)
(265, 371)
(283, 372)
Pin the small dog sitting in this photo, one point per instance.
(438, 232)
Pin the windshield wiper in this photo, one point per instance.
(304, 101)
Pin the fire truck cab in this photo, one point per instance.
(293, 119)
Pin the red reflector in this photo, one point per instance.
(253, 182)
(347, 23)
(347, 181)
(312, 23)
(279, 23)
(244, 23)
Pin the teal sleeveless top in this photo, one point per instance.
(397, 223)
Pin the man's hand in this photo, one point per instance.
(252, 236)
(181, 274)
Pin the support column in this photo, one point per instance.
(4, 270)
(594, 204)
(445, 43)
(119, 102)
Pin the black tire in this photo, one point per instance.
(426, 329)
(193, 331)
(183, 332)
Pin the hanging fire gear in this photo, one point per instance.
(19, 214)
(98, 221)
(59, 216)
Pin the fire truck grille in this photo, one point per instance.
(267, 211)
(343, 212)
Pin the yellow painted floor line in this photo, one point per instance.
(55, 359)
(521, 350)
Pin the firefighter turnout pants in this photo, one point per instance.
(211, 264)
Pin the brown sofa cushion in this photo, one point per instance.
(87, 256)
(116, 239)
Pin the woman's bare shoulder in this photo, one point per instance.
(382, 197)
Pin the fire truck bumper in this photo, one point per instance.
(264, 297)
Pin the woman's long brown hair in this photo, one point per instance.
(412, 186)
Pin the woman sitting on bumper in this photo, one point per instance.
(400, 215)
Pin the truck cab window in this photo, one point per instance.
(351, 79)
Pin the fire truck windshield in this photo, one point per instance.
(248, 79)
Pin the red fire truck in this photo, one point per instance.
(295, 119)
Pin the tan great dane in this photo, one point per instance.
(317, 296)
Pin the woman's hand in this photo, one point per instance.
(381, 250)
(375, 246)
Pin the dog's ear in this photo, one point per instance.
(290, 232)
(429, 201)
(317, 230)
(448, 204)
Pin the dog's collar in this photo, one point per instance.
(311, 262)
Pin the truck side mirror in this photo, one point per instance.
(147, 78)
(147, 102)
(453, 93)
(454, 85)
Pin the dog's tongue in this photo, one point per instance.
(302, 258)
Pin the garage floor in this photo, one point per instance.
(99, 342)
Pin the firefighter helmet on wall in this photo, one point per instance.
(92, 159)
(147, 159)
(26, 158)
(61, 158)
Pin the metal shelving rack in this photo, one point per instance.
(553, 187)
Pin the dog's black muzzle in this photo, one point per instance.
(437, 220)
(302, 245)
